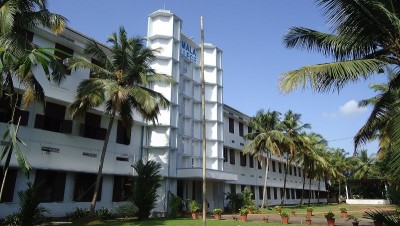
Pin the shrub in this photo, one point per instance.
(194, 206)
(235, 201)
(277, 208)
(104, 214)
(243, 211)
(329, 215)
(217, 211)
(78, 213)
(343, 209)
(176, 206)
(355, 219)
(126, 210)
(12, 220)
(386, 217)
(145, 187)
(309, 209)
(30, 213)
(284, 214)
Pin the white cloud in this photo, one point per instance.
(350, 108)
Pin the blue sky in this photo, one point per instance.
(250, 34)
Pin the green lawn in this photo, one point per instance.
(181, 222)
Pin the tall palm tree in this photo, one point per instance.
(264, 140)
(18, 16)
(365, 167)
(291, 127)
(364, 42)
(121, 81)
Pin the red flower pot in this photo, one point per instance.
(308, 221)
(331, 222)
(217, 216)
(309, 213)
(344, 214)
(285, 220)
(194, 215)
(243, 218)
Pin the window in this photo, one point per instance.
(293, 195)
(249, 130)
(233, 188)
(280, 167)
(91, 128)
(84, 187)
(242, 159)
(225, 154)
(123, 134)
(6, 104)
(282, 192)
(287, 193)
(8, 192)
(179, 188)
(92, 74)
(260, 192)
(231, 125)
(298, 193)
(259, 164)
(299, 172)
(53, 119)
(232, 156)
(290, 170)
(241, 133)
(122, 188)
(294, 170)
(242, 187)
(251, 162)
(273, 166)
(65, 54)
(275, 193)
(253, 190)
(51, 185)
(268, 193)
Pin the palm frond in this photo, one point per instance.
(329, 76)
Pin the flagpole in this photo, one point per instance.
(204, 119)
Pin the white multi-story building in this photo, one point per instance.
(64, 154)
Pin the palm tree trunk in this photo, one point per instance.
(319, 186)
(284, 182)
(309, 186)
(3, 182)
(265, 181)
(304, 185)
(100, 171)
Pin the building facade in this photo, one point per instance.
(64, 153)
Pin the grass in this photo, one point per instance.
(179, 222)
(319, 210)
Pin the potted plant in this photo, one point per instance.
(278, 209)
(309, 211)
(243, 213)
(308, 219)
(355, 220)
(343, 211)
(330, 217)
(194, 208)
(217, 213)
(285, 218)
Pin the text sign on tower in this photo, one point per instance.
(188, 51)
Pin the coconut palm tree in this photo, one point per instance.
(19, 16)
(365, 166)
(121, 80)
(264, 140)
(291, 128)
(364, 42)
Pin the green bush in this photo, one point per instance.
(284, 214)
(12, 220)
(78, 213)
(145, 187)
(126, 210)
(243, 211)
(176, 204)
(104, 214)
(30, 212)
(235, 201)
(309, 209)
(343, 209)
(194, 206)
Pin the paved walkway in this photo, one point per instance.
(298, 219)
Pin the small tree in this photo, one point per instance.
(145, 188)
